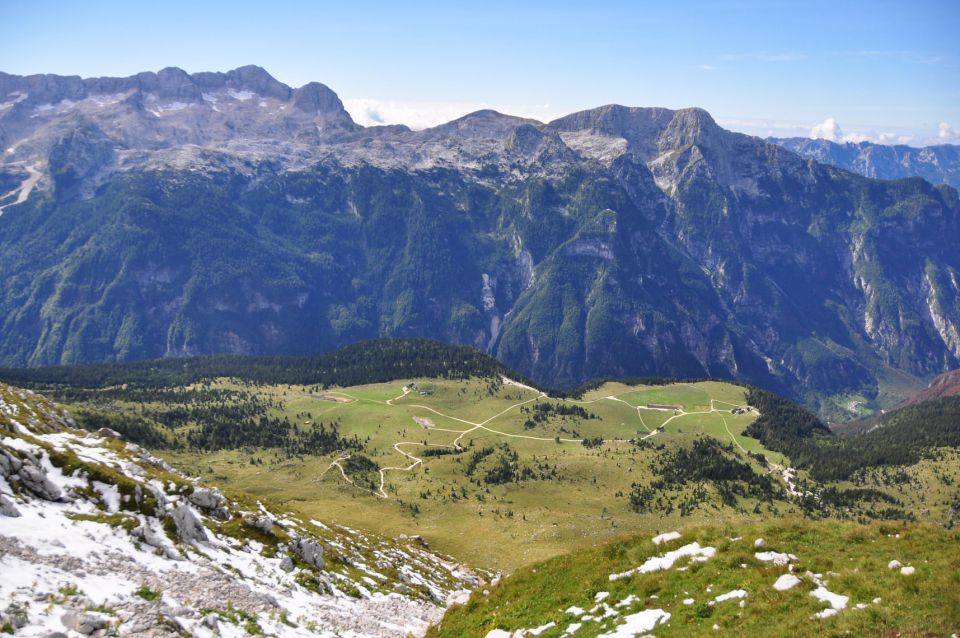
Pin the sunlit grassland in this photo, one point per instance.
(851, 560)
(578, 497)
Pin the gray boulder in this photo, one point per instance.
(154, 539)
(189, 527)
(83, 623)
(310, 551)
(15, 615)
(7, 508)
(212, 501)
(9, 464)
(264, 523)
(35, 480)
(286, 564)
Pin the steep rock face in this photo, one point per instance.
(259, 219)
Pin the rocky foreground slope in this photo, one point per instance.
(172, 214)
(97, 537)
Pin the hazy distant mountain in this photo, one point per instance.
(938, 164)
(180, 214)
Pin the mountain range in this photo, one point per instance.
(172, 214)
(938, 164)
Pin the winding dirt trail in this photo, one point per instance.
(416, 461)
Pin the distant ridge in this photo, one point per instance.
(939, 164)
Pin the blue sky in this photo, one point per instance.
(843, 68)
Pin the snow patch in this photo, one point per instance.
(836, 601)
(731, 595)
(785, 582)
(637, 623)
(778, 558)
(665, 537)
(110, 495)
(693, 550)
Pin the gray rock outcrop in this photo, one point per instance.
(310, 551)
(211, 501)
(35, 480)
(9, 464)
(189, 527)
(7, 508)
(83, 623)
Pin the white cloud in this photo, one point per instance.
(946, 133)
(893, 138)
(423, 114)
(828, 129)
(706, 67)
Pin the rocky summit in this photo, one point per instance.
(170, 214)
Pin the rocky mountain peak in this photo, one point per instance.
(257, 79)
(482, 124)
(171, 83)
(689, 126)
(638, 127)
(314, 97)
(246, 78)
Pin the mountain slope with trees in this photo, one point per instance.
(612, 242)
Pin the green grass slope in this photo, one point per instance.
(848, 560)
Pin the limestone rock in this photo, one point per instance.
(83, 623)
(212, 501)
(7, 508)
(9, 464)
(310, 551)
(189, 527)
(35, 480)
